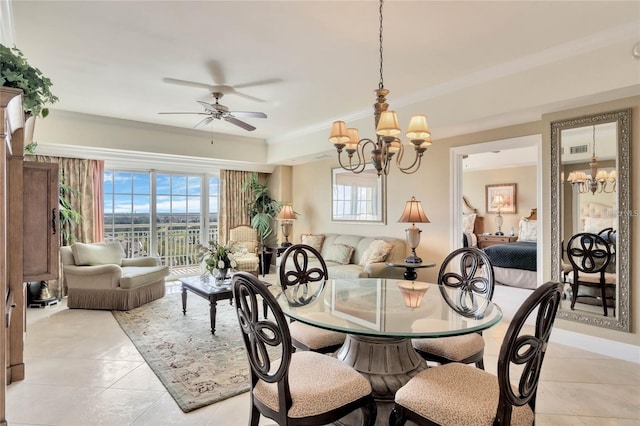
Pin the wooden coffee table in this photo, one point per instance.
(205, 287)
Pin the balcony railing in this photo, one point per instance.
(175, 244)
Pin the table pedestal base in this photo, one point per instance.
(387, 363)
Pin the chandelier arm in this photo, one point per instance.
(349, 168)
(413, 167)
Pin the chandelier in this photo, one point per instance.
(599, 180)
(386, 144)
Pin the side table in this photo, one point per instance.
(410, 268)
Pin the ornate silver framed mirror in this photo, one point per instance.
(590, 193)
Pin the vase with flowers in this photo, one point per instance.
(218, 259)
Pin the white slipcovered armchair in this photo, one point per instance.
(245, 241)
(98, 276)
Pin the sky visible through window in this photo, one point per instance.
(130, 192)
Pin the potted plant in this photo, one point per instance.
(262, 211)
(16, 72)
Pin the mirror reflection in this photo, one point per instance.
(590, 165)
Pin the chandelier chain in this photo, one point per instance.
(593, 148)
(381, 83)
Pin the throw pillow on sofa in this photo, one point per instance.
(377, 251)
(339, 253)
(313, 240)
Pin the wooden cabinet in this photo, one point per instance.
(490, 240)
(40, 221)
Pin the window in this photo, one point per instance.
(184, 209)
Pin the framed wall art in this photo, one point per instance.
(501, 198)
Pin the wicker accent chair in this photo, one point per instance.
(293, 388)
(296, 273)
(476, 277)
(245, 240)
(457, 394)
(590, 256)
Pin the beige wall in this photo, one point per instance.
(431, 184)
(473, 185)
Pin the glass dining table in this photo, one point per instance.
(381, 316)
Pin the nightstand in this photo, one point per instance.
(490, 240)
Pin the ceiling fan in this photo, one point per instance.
(217, 111)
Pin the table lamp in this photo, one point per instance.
(413, 214)
(498, 201)
(286, 218)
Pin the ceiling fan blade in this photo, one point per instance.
(239, 123)
(258, 83)
(216, 72)
(200, 113)
(208, 106)
(248, 114)
(244, 95)
(204, 122)
(187, 83)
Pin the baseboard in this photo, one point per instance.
(619, 350)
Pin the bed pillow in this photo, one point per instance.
(313, 240)
(339, 253)
(468, 222)
(377, 251)
(528, 230)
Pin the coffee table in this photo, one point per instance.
(205, 286)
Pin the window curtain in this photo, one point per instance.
(234, 202)
(86, 176)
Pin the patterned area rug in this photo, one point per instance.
(196, 367)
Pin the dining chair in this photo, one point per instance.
(590, 256)
(457, 394)
(293, 388)
(301, 265)
(473, 274)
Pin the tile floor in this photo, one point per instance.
(83, 370)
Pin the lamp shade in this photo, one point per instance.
(388, 124)
(354, 138)
(339, 133)
(418, 128)
(498, 200)
(413, 212)
(286, 213)
(412, 292)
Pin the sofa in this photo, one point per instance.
(350, 256)
(98, 276)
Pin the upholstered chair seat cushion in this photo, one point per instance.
(594, 278)
(314, 338)
(454, 348)
(457, 394)
(137, 276)
(319, 383)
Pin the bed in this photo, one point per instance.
(472, 224)
(515, 264)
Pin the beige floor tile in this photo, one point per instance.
(83, 370)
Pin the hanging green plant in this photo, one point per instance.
(16, 72)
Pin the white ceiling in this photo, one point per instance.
(468, 65)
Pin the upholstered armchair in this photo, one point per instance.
(98, 276)
(245, 241)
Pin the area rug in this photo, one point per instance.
(196, 367)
